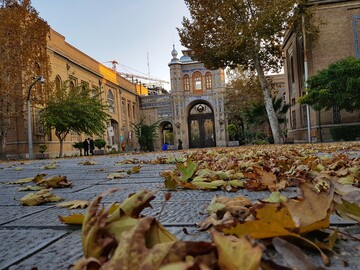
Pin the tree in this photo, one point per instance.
(74, 110)
(336, 86)
(242, 91)
(255, 115)
(247, 32)
(23, 55)
(146, 134)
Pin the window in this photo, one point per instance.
(208, 80)
(292, 69)
(58, 82)
(197, 82)
(128, 110)
(186, 79)
(133, 111)
(336, 115)
(123, 109)
(293, 119)
(356, 34)
(84, 85)
(39, 127)
(304, 115)
(71, 85)
(110, 100)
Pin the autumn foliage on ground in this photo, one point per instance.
(242, 232)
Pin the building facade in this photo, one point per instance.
(70, 64)
(193, 112)
(338, 37)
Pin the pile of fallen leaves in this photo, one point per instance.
(120, 238)
(43, 185)
(244, 235)
(262, 168)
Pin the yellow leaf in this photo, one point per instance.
(88, 162)
(275, 197)
(272, 219)
(311, 212)
(32, 188)
(209, 185)
(74, 204)
(43, 196)
(55, 182)
(237, 253)
(73, 219)
(50, 166)
(21, 181)
(115, 175)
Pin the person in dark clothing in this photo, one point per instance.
(180, 144)
(92, 146)
(86, 147)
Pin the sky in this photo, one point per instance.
(138, 34)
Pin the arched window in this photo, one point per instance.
(110, 100)
(71, 85)
(186, 79)
(197, 82)
(58, 82)
(208, 80)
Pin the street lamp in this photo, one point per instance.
(36, 79)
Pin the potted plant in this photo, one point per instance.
(79, 146)
(42, 149)
(100, 144)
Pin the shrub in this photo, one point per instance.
(79, 145)
(42, 148)
(346, 133)
(99, 143)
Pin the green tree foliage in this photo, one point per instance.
(146, 134)
(242, 91)
(247, 32)
(336, 86)
(74, 110)
(256, 116)
(23, 55)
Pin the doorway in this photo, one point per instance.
(201, 126)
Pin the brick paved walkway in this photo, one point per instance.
(33, 236)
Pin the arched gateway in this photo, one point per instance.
(201, 126)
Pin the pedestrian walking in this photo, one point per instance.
(180, 144)
(86, 147)
(92, 146)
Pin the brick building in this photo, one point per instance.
(339, 31)
(194, 109)
(70, 64)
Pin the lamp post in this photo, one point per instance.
(36, 79)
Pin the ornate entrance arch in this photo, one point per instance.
(201, 126)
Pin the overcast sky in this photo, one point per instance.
(132, 32)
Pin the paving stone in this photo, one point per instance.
(46, 218)
(11, 213)
(178, 213)
(19, 244)
(59, 253)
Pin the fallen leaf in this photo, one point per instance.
(271, 220)
(73, 219)
(275, 197)
(74, 204)
(40, 197)
(237, 253)
(294, 256)
(54, 182)
(115, 175)
(30, 188)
